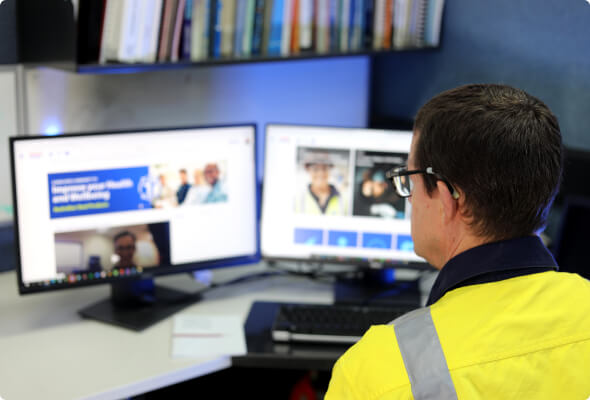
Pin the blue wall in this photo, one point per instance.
(541, 46)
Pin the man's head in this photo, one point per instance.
(183, 176)
(318, 165)
(211, 173)
(499, 147)
(124, 248)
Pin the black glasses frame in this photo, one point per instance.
(402, 171)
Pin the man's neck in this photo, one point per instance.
(463, 241)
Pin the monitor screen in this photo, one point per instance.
(107, 207)
(326, 197)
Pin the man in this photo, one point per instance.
(124, 249)
(183, 188)
(500, 322)
(216, 190)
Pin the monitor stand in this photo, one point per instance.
(377, 287)
(138, 304)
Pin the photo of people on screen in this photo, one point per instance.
(322, 181)
(374, 195)
(207, 186)
(128, 247)
(189, 184)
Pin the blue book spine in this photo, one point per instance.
(185, 52)
(206, 25)
(258, 27)
(351, 23)
(276, 30)
(360, 22)
(367, 41)
(334, 31)
(240, 24)
(215, 29)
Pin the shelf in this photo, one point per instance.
(48, 38)
(124, 68)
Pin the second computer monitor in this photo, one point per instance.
(326, 196)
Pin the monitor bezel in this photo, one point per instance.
(155, 271)
(365, 263)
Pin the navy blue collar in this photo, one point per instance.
(493, 262)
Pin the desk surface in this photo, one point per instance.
(47, 351)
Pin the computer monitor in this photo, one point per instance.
(571, 244)
(124, 207)
(326, 197)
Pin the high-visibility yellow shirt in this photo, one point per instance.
(526, 337)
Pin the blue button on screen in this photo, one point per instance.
(310, 237)
(405, 243)
(377, 240)
(342, 238)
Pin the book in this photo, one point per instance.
(178, 20)
(295, 27)
(258, 27)
(357, 25)
(367, 28)
(286, 28)
(322, 32)
(344, 24)
(121, 31)
(110, 31)
(240, 22)
(433, 18)
(215, 28)
(378, 24)
(167, 27)
(334, 42)
(266, 25)
(185, 37)
(306, 25)
(228, 20)
(276, 27)
(200, 30)
(248, 28)
(147, 46)
(388, 25)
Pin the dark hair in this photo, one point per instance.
(122, 234)
(501, 147)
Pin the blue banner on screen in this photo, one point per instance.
(103, 191)
(312, 237)
(342, 238)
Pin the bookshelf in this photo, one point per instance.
(71, 35)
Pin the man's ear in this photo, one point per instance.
(449, 205)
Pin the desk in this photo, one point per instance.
(47, 351)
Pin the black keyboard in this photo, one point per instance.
(330, 323)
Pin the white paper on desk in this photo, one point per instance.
(207, 335)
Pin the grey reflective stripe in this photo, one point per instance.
(423, 356)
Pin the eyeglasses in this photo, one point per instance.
(400, 176)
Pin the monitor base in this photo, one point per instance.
(137, 312)
(377, 287)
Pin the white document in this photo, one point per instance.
(207, 335)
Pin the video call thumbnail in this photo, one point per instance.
(322, 181)
(97, 250)
(374, 195)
